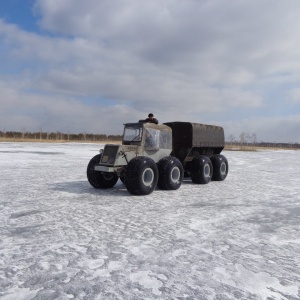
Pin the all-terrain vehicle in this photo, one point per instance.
(160, 156)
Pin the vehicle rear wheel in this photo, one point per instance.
(220, 167)
(100, 180)
(201, 169)
(170, 172)
(141, 176)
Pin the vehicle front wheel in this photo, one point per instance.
(170, 172)
(100, 180)
(201, 169)
(220, 167)
(141, 175)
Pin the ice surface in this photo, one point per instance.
(62, 239)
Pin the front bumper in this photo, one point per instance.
(108, 169)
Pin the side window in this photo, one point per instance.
(156, 139)
(151, 138)
(165, 140)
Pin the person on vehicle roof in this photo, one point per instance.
(151, 119)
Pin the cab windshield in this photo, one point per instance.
(132, 134)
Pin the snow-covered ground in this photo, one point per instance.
(62, 239)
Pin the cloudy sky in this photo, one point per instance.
(90, 66)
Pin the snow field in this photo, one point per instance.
(62, 239)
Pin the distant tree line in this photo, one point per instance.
(262, 145)
(248, 140)
(243, 141)
(59, 136)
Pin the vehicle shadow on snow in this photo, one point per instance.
(83, 187)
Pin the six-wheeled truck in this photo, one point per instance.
(160, 156)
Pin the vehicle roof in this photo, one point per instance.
(150, 125)
(192, 125)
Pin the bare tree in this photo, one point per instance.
(231, 139)
(253, 137)
(40, 133)
(242, 138)
(247, 138)
(23, 132)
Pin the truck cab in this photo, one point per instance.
(139, 139)
(149, 136)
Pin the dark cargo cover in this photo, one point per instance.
(203, 138)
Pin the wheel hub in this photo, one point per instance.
(223, 168)
(148, 177)
(175, 174)
(206, 170)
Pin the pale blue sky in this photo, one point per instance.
(90, 66)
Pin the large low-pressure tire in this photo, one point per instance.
(170, 172)
(100, 180)
(141, 175)
(220, 167)
(201, 169)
